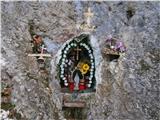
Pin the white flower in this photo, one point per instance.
(89, 51)
(65, 81)
(62, 71)
(91, 75)
(65, 52)
(72, 44)
(66, 84)
(62, 68)
(63, 59)
(64, 56)
(87, 47)
(82, 44)
(89, 85)
(62, 76)
(67, 48)
(91, 56)
(63, 63)
(90, 81)
(112, 47)
(92, 67)
(66, 61)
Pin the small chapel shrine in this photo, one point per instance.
(77, 65)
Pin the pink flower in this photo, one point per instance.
(120, 46)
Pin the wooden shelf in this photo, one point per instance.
(74, 104)
(109, 51)
(66, 90)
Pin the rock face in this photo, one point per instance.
(128, 89)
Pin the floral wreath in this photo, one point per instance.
(84, 68)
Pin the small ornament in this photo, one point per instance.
(67, 48)
(91, 57)
(66, 84)
(89, 85)
(67, 60)
(65, 52)
(72, 44)
(112, 47)
(64, 56)
(92, 67)
(62, 76)
(91, 75)
(63, 60)
(62, 72)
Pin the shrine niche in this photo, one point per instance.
(114, 48)
(39, 51)
(76, 68)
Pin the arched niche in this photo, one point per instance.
(76, 67)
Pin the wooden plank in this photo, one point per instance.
(78, 104)
(108, 51)
(89, 90)
(45, 55)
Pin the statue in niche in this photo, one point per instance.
(76, 66)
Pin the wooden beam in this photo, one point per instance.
(43, 55)
(78, 104)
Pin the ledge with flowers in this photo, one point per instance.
(114, 48)
(76, 68)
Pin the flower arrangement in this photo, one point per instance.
(83, 67)
(115, 44)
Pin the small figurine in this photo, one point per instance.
(37, 43)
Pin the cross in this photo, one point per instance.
(77, 49)
(41, 54)
(88, 14)
(87, 26)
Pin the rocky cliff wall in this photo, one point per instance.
(128, 90)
